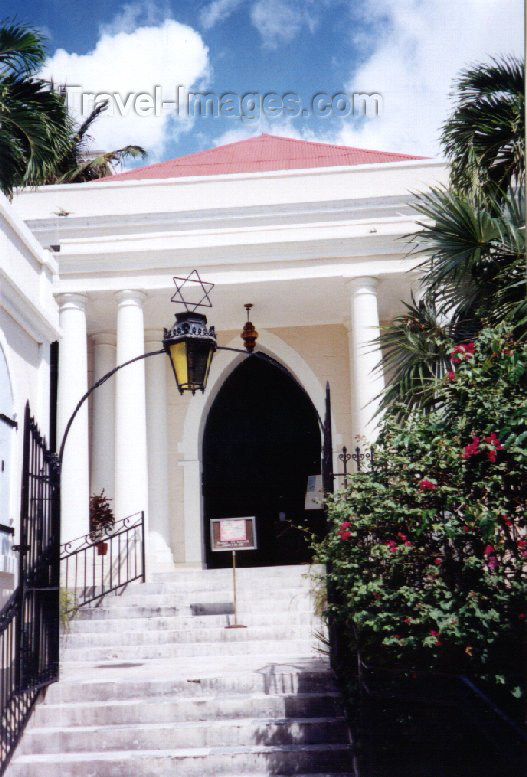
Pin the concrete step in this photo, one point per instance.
(186, 734)
(149, 689)
(163, 709)
(211, 584)
(190, 762)
(232, 647)
(288, 571)
(278, 598)
(243, 675)
(115, 637)
(163, 605)
(94, 624)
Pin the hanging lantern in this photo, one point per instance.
(190, 345)
(249, 334)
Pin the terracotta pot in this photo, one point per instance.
(102, 548)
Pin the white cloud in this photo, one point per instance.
(144, 13)
(280, 21)
(218, 11)
(411, 51)
(422, 47)
(284, 127)
(136, 60)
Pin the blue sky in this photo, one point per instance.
(407, 51)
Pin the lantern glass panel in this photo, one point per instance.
(199, 355)
(178, 357)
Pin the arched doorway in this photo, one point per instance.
(261, 441)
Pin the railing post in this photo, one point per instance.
(143, 549)
(24, 508)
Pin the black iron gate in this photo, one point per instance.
(29, 622)
(327, 447)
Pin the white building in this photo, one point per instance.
(310, 234)
(29, 323)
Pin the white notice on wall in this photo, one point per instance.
(314, 493)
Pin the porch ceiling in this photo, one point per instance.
(277, 303)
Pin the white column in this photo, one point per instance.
(103, 411)
(157, 435)
(366, 381)
(72, 384)
(131, 474)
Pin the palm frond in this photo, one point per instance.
(21, 49)
(415, 348)
(484, 138)
(101, 165)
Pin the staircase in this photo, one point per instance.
(152, 683)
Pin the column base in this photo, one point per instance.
(160, 558)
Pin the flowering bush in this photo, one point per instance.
(427, 554)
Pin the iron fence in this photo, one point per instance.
(29, 621)
(103, 561)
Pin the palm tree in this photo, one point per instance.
(472, 235)
(416, 348)
(77, 165)
(484, 138)
(34, 123)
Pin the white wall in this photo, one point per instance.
(28, 324)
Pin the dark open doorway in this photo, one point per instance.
(261, 441)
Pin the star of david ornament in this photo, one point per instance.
(196, 292)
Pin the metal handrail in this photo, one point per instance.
(103, 561)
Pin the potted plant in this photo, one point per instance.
(101, 520)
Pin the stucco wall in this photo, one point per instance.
(28, 324)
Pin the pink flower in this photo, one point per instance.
(450, 376)
(427, 485)
(471, 449)
(345, 525)
(507, 521)
(489, 550)
(462, 353)
(401, 536)
(433, 633)
(437, 562)
(407, 544)
(408, 621)
(493, 439)
(521, 616)
(344, 534)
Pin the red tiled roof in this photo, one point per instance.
(259, 155)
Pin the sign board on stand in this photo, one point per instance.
(233, 534)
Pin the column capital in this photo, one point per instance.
(103, 338)
(72, 301)
(134, 296)
(363, 283)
